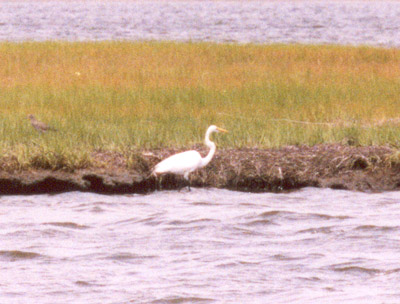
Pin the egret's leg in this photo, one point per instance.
(187, 178)
(159, 183)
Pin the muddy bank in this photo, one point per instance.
(287, 168)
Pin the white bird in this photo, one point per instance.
(186, 162)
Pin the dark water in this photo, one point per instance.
(204, 246)
(339, 22)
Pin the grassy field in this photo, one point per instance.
(120, 96)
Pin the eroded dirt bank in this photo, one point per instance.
(287, 168)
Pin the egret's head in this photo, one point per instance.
(216, 129)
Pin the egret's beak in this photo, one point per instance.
(222, 130)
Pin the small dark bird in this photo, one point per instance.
(40, 126)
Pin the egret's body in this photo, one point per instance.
(182, 163)
(186, 162)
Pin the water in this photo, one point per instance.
(203, 246)
(338, 22)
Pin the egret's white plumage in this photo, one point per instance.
(186, 162)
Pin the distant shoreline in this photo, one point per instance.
(370, 169)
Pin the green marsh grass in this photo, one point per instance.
(121, 96)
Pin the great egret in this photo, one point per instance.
(186, 162)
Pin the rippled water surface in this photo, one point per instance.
(203, 246)
(339, 22)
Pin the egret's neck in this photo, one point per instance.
(211, 153)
